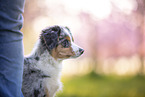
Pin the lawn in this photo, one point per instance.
(93, 85)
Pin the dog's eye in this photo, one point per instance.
(65, 43)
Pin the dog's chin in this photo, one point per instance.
(70, 57)
(77, 55)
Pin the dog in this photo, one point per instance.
(42, 68)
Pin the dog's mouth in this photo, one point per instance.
(78, 53)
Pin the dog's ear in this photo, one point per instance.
(49, 37)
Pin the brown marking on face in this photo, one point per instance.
(68, 38)
(62, 53)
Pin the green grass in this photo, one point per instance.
(93, 85)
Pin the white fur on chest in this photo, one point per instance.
(51, 68)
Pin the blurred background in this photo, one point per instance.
(112, 33)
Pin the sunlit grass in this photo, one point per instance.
(103, 86)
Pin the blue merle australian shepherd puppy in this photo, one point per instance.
(41, 77)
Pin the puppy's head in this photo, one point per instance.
(59, 42)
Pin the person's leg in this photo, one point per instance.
(11, 48)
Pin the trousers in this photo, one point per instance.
(11, 48)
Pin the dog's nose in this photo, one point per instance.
(81, 51)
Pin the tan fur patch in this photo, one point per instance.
(47, 93)
(68, 38)
(61, 52)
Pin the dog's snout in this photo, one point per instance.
(81, 51)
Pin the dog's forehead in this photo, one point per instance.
(66, 32)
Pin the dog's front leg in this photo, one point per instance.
(52, 87)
